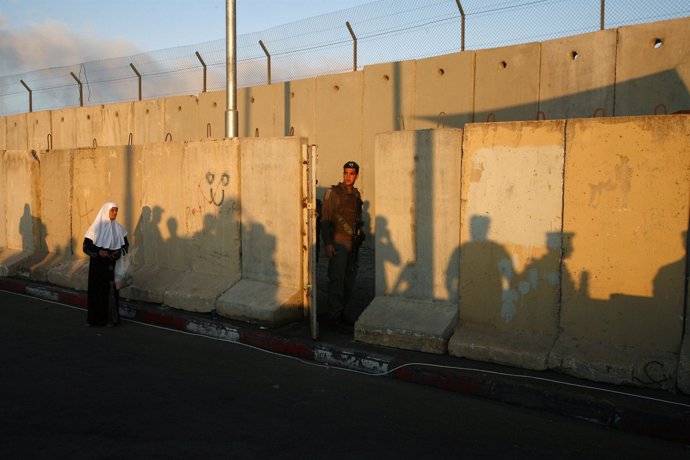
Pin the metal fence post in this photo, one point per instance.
(81, 90)
(462, 15)
(31, 97)
(354, 50)
(602, 14)
(269, 60)
(138, 77)
(204, 65)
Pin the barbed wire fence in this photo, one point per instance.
(376, 32)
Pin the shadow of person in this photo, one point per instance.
(141, 234)
(32, 232)
(175, 247)
(486, 275)
(386, 253)
(258, 258)
(672, 278)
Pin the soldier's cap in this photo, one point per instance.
(353, 165)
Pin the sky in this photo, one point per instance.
(38, 34)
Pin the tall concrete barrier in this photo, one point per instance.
(270, 291)
(63, 129)
(3, 133)
(507, 83)
(21, 227)
(512, 181)
(653, 68)
(418, 223)
(149, 122)
(578, 76)
(16, 133)
(444, 91)
(56, 244)
(626, 194)
(294, 113)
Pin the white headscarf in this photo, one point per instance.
(106, 233)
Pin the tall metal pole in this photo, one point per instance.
(602, 15)
(462, 14)
(231, 118)
(31, 97)
(268, 56)
(354, 44)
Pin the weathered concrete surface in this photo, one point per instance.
(444, 91)
(151, 283)
(271, 196)
(653, 68)
(16, 133)
(63, 128)
(208, 244)
(387, 105)
(338, 126)
(512, 179)
(255, 111)
(149, 121)
(38, 130)
(56, 244)
(416, 240)
(627, 187)
(212, 115)
(22, 225)
(507, 83)
(181, 118)
(408, 324)
(294, 113)
(578, 76)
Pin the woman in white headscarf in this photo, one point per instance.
(104, 242)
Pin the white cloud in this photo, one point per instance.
(53, 44)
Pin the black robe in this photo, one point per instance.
(103, 298)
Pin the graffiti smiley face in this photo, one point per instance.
(221, 183)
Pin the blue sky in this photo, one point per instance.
(37, 34)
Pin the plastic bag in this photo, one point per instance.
(123, 272)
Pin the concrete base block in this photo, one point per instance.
(408, 324)
(261, 303)
(490, 345)
(629, 366)
(197, 291)
(150, 283)
(71, 273)
(10, 259)
(38, 266)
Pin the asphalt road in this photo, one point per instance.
(141, 392)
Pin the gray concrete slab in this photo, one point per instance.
(150, 283)
(408, 324)
(197, 291)
(261, 303)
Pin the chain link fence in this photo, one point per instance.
(377, 32)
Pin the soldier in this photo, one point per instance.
(341, 232)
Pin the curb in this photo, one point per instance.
(641, 415)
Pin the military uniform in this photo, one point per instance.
(341, 227)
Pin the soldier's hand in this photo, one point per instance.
(330, 250)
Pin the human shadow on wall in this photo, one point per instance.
(258, 258)
(486, 273)
(386, 253)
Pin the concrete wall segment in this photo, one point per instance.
(181, 119)
(338, 127)
(118, 124)
(212, 207)
(295, 103)
(3, 202)
(271, 210)
(17, 134)
(417, 235)
(162, 218)
(444, 91)
(38, 130)
(511, 214)
(149, 121)
(578, 76)
(507, 83)
(653, 68)
(212, 107)
(255, 107)
(63, 125)
(627, 188)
